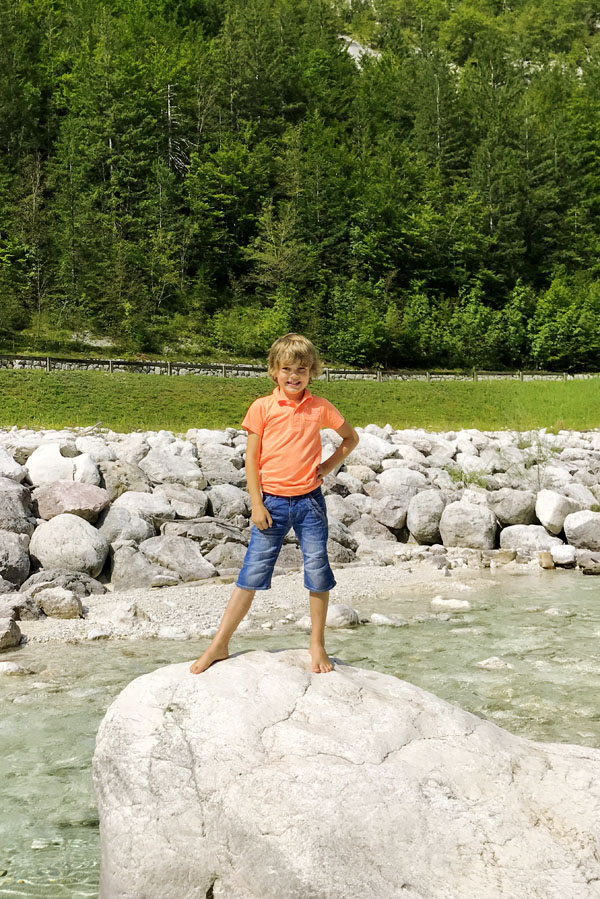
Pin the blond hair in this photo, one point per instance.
(293, 348)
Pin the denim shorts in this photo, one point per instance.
(307, 514)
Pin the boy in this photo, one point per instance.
(283, 457)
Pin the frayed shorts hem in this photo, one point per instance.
(243, 586)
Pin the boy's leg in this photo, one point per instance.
(254, 575)
(318, 615)
(238, 606)
(310, 525)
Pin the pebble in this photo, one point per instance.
(99, 633)
(493, 663)
(438, 602)
(384, 620)
(172, 633)
(11, 668)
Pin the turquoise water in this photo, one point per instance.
(49, 829)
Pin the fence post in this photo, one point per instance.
(564, 376)
(168, 368)
(327, 374)
(520, 375)
(223, 370)
(110, 368)
(428, 375)
(47, 363)
(379, 374)
(474, 375)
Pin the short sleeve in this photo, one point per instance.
(331, 417)
(254, 420)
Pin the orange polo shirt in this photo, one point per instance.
(290, 448)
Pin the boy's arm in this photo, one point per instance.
(349, 441)
(260, 515)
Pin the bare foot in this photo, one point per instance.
(214, 653)
(320, 660)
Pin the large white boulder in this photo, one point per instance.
(468, 524)
(261, 780)
(9, 468)
(512, 506)
(582, 529)
(552, 508)
(423, 517)
(162, 466)
(67, 541)
(528, 538)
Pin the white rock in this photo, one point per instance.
(86, 470)
(385, 621)
(67, 541)
(424, 514)
(552, 508)
(47, 464)
(528, 538)
(11, 469)
(11, 668)
(261, 780)
(340, 615)
(563, 555)
(458, 605)
(147, 505)
(582, 529)
(493, 663)
(469, 525)
(97, 448)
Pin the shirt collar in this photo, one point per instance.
(284, 401)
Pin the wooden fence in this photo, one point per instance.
(239, 370)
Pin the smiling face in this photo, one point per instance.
(292, 378)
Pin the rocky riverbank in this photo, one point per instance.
(89, 515)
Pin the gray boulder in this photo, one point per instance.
(121, 476)
(84, 500)
(120, 524)
(11, 469)
(528, 538)
(391, 510)
(582, 529)
(468, 524)
(131, 570)
(47, 464)
(226, 556)
(339, 508)
(552, 508)
(76, 581)
(14, 558)
(511, 506)
(367, 528)
(96, 448)
(396, 480)
(424, 514)
(339, 533)
(56, 602)
(163, 466)
(188, 502)
(147, 505)
(221, 464)
(398, 775)
(180, 555)
(206, 532)
(227, 501)
(15, 508)
(68, 541)
(10, 633)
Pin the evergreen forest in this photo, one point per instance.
(199, 176)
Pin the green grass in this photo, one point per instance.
(125, 402)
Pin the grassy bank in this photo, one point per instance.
(125, 402)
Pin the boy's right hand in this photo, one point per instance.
(261, 517)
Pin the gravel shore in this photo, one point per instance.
(190, 611)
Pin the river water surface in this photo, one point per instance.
(545, 626)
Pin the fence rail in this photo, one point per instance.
(240, 370)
